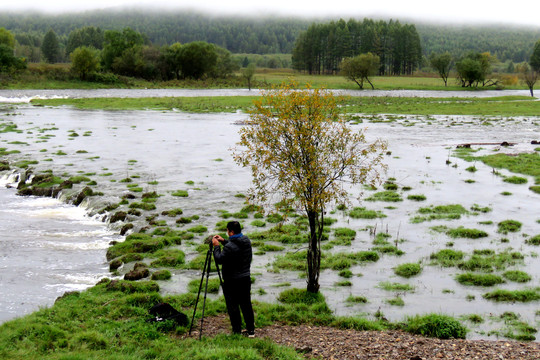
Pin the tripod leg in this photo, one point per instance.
(206, 263)
(208, 258)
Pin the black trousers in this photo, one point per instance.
(238, 297)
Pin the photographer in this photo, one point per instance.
(235, 258)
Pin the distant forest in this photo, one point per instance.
(243, 35)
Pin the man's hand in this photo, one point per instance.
(216, 240)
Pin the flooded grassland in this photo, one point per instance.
(438, 227)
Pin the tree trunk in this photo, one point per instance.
(314, 252)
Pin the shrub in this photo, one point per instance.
(435, 325)
(408, 269)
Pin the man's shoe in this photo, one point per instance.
(251, 334)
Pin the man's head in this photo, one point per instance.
(233, 227)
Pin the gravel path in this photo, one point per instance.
(330, 343)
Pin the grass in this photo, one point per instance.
(108, 321)
(363, 213)
(408, 270)
(440, 212)
(436, 325)
(501, 295)
(517, 276)
(396, 287)
(387, 196)
(506, 226)
(473, 279)
(527, 164)
(461, 232)
(534, 240)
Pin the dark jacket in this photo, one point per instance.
(235, 257)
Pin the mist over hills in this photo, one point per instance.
(264, 35)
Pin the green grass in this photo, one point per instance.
(436, 325)
(440, 212)
(506, 226)
(462, 232)
(387, 196)
(408, 270)
(396, 287)
(501, 295)
(363, 213)
(479, 279)
(447, 257)
(527, 164)
(515, 180)
(517, 276)
(534, 240)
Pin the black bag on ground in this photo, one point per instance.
(164, 311)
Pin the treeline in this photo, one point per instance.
(236, 34)
(510, 44)
(255, 35)
(322, 47)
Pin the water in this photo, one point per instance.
(47, 248)
(9, 96)
(163, 151)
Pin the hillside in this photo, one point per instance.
(261, 35)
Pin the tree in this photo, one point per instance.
(360, 68)
(442, 63)
(118, 42)
(197, 59)
(301, 153)
(247, 73)
(529, 76)
(535, 57)
(7, 38)
(173, 59)
(84, 60)
(89, 36)
(8, 61)
(474, 69)
(50, 47)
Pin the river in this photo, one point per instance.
(63, 248)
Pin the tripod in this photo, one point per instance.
(206, 270)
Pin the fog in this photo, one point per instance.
(457, 12)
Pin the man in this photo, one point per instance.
(235, 258)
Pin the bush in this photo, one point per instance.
(435, 325)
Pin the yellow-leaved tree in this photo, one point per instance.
(301, 152)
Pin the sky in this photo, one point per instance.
(524, 12)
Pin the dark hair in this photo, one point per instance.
(234, 226)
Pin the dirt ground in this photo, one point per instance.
(317, 342)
